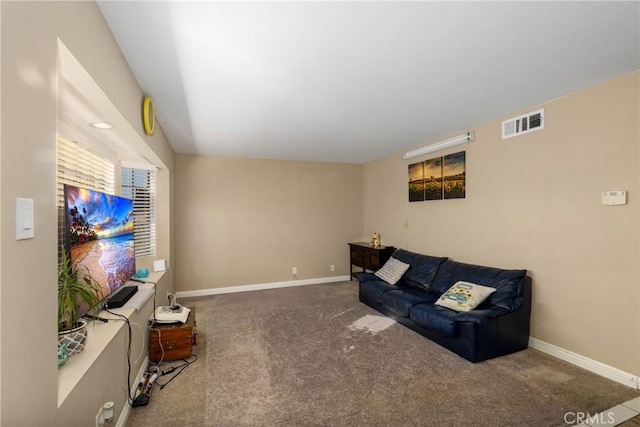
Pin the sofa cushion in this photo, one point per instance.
(367, 277)
(400, 301)
(431, 316)
(506, 282)
(374, 289)
(422, 270)
(464, 296)
(480, 317)
(392, 270)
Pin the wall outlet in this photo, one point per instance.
(332, 267)
(294, 270)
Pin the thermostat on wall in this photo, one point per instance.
(614, 198)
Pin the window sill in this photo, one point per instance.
(100, 334)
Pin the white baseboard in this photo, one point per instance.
(260, 286)
(591, 365)
(124, 415)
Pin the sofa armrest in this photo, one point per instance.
(367, 277)
(480, 316)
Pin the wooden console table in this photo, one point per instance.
(369, 258)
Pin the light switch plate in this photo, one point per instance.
(24, 219)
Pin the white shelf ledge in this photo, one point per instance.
(100, 334)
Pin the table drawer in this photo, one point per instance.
(356, 256)
(373, 261)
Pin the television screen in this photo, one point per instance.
(100, 237)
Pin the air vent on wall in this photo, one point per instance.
(523, 124)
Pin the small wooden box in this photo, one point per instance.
(172, 341)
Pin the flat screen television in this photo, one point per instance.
(100, 237)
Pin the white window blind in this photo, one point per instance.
(140, 186)
(80, 167)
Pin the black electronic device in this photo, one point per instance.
(121, 297)
(141, 400)
(92, 317)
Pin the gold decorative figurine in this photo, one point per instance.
(375, 242)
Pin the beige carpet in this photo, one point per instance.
(314, 355)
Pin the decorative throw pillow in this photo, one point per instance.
(392, 271)
(464, 296)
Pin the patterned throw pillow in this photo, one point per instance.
(464, 296)
(392, 271)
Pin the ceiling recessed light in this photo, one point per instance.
(101, 125)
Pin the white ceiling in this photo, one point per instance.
(356, 81)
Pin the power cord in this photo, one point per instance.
(154, 295)
(159, 332)
(142, 348)
(153, 313)
(179, 369)
(129, 398)
(171, 369)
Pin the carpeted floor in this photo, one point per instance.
(314, 355)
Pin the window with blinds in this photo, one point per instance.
(80, 167)
(140, 186)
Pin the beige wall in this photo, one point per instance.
(28, 104)
(247, 221)
(533, 202)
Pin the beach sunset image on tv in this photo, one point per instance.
(101, 236)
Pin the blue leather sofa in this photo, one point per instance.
(498, 326)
